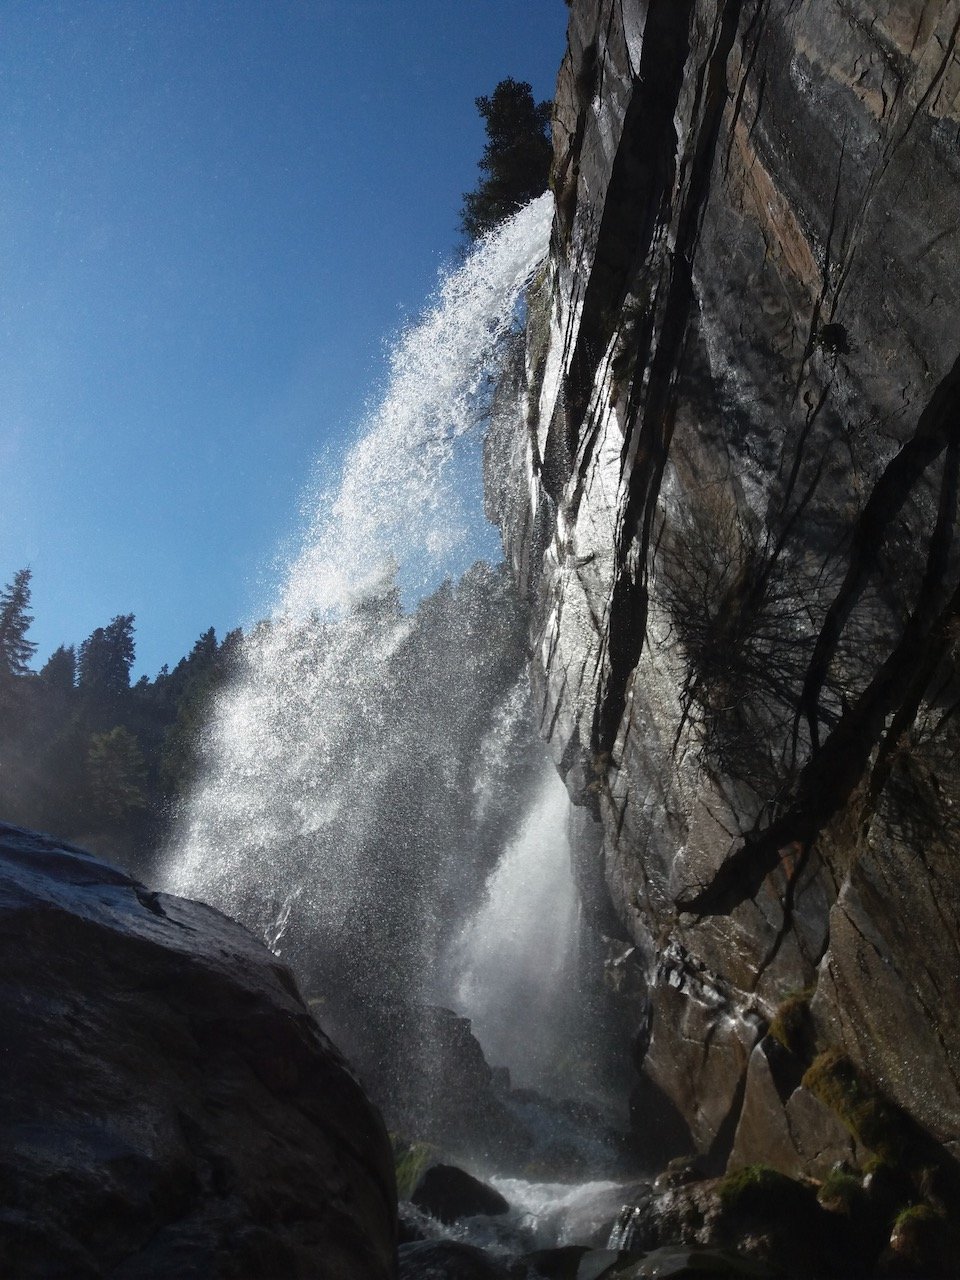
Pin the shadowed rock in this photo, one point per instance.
(168, 1106)
(449, 1193)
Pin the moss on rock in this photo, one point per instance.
(758, 1188)
(791, 1025)
(863, 1110)
(842, 1192)
(410, 1160)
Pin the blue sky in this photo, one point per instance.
(212, 217)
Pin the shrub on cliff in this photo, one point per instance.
(516, 160)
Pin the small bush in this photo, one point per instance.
(833, 339)
(841, 1192)
(739, 611)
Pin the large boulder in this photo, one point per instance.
(169, 1107)
(449, 1193)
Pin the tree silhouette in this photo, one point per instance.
(106, 657)
(15, 619)
(117, 774)
(60, 669)
(516, 160)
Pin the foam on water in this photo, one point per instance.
(542, 1215)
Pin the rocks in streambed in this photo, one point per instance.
(846, 1226)
(575, 1263)
(756, 1213)
(169, 1107)
(448, 1260)
(448, 1194)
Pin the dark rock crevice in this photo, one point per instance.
(651, 404)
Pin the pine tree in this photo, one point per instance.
(117, 774)
(106, 657)
(60, 669)
(515, 161)
(15, 620)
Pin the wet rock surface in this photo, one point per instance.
(448, 1193)
(734, 460)
(169, 1107)
(447, 1260)
(765, 1219)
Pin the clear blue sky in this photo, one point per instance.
(212, 215)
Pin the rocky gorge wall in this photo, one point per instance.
(727, 480)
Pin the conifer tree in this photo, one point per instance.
(117, 774)
(15, 620)
(516, 160)
(106, 657)
(60, 669)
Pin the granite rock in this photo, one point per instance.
(733, 453)
(169, 1107)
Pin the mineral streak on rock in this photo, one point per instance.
(732, 501)
(168, 1106)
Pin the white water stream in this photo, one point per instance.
(517, 955)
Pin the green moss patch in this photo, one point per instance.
(874, 1122)
(759, 1189)
(410, 1159)
(915, 1214)
(792, 1026)
(841, 1192)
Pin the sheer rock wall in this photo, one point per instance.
(728, 483)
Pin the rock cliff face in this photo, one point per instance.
(732, 502)
(169, 1107)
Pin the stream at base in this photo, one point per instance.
(542, 1215)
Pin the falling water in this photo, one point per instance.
(296, 744)
(370, 758)
(374, 800)
(514, 961)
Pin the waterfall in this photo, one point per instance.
(514, 963)
(372, 754)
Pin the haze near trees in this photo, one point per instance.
(83, 752)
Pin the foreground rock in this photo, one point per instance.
(169, 1108)
(574, 1263)
(448, 1260)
